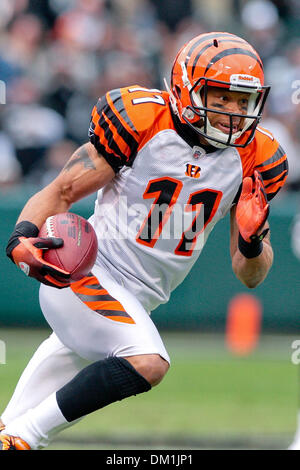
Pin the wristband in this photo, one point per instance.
(23, 229)
(250, 249)
(253, 248)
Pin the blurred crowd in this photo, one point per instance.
(58, 56)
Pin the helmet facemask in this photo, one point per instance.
(217, 138)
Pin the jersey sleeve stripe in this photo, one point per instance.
(109, 132)
(275, 171)
(99, 140)
(276, 157)
(110, 137)
(272, 165)
(113, 160)
(271, 195)
(113, 115)
(276, 180)
(273, 188)
(117, 99)
(99, 133)
(109, 157)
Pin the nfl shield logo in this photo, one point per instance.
(198, 152)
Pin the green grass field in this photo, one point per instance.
(209, 398)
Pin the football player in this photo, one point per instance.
(168, 165)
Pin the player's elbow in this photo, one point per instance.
(253, 280)
(250, 278)
(252, 284)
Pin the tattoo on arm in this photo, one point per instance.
(80, 156)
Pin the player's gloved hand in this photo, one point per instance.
(251, 214)
(27, 253)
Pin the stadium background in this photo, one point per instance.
(56, 58)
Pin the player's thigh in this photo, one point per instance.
(99, 318)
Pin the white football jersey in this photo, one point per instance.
(153, 219)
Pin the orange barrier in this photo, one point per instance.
(243, 324)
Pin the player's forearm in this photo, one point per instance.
(85, 172)
(253, 271)
(47, 202)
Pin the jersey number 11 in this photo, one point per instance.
(165, 192)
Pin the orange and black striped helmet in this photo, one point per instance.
(220, 60)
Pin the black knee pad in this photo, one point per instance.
(98, 385)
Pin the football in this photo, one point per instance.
(79, 252)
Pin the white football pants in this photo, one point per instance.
(85, 329)
(50, 368)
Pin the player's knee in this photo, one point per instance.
(155, 370)
(151, 366)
